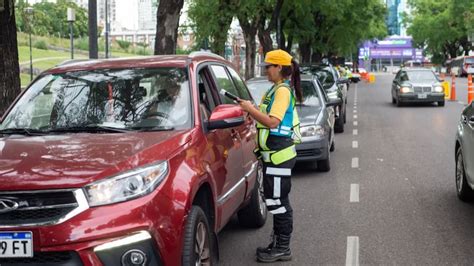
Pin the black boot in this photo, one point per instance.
(279, 252)
(270, 246)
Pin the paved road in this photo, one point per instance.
(390, 199)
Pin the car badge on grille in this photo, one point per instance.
(8, 205)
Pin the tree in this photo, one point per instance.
(50, 18)
(335, 28)
(441, 27)
(267, 23)
(249, 17)
(167, 22)
(211, 27)
(9, 67)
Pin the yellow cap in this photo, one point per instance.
(277, 57)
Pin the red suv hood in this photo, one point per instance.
(74, 160)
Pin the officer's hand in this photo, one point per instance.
(246, 105)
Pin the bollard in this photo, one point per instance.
(470, 89)
(371, 78)
(453, 87)
(447, 90)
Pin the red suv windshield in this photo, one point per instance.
(123, 99)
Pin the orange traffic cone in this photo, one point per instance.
(453, 87)
(470, 89)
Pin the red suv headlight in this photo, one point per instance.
(126, 186)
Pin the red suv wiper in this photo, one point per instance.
(157, 128)
(23, 131)
(92, 128)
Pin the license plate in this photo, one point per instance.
(16, 244)
(422, 96)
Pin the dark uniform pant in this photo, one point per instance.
(277, 187)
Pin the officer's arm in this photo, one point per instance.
(266, 120)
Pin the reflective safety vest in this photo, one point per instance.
(289, 127)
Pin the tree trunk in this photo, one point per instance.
(249, 30)
(167, 22)
(264, 33)
(289, 43)
(9, 67)
(265, 41)
(305, 51)
(316, 57)
(225, 19)
(250, 53)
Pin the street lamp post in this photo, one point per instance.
(29, 11)
(71, 17)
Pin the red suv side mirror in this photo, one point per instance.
(226, 116)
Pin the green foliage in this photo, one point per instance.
(50, 18)
(337, 27)
(124, 45)
(212, 19)
(327, 27)
(41, 45)
(441, 27)
(82, 43)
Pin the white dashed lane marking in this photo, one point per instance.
(352, 252)
(354, 193)
(355, 144)
(355, 162)
(355, 132)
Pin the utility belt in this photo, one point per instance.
(277, 157)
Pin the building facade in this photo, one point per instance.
(147, 14)
(392, 51)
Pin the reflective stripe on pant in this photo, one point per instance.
(277, 186)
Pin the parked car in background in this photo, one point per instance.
(464, 154)
(335, 88)
(127, 162)
(317, 119)
(417, 85)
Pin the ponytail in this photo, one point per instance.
(293, 72)
(296, 80)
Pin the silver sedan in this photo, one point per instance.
(465, 154)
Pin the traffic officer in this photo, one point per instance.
(278, 132)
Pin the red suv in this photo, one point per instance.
(127, 162)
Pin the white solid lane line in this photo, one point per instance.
(355, 144)
(355, 123)
(355, 132)
(352, 253)
(355, 162)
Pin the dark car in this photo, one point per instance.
(417, 85)
(316, 115)
(464, 154)
(335, 88)
(133, 161)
